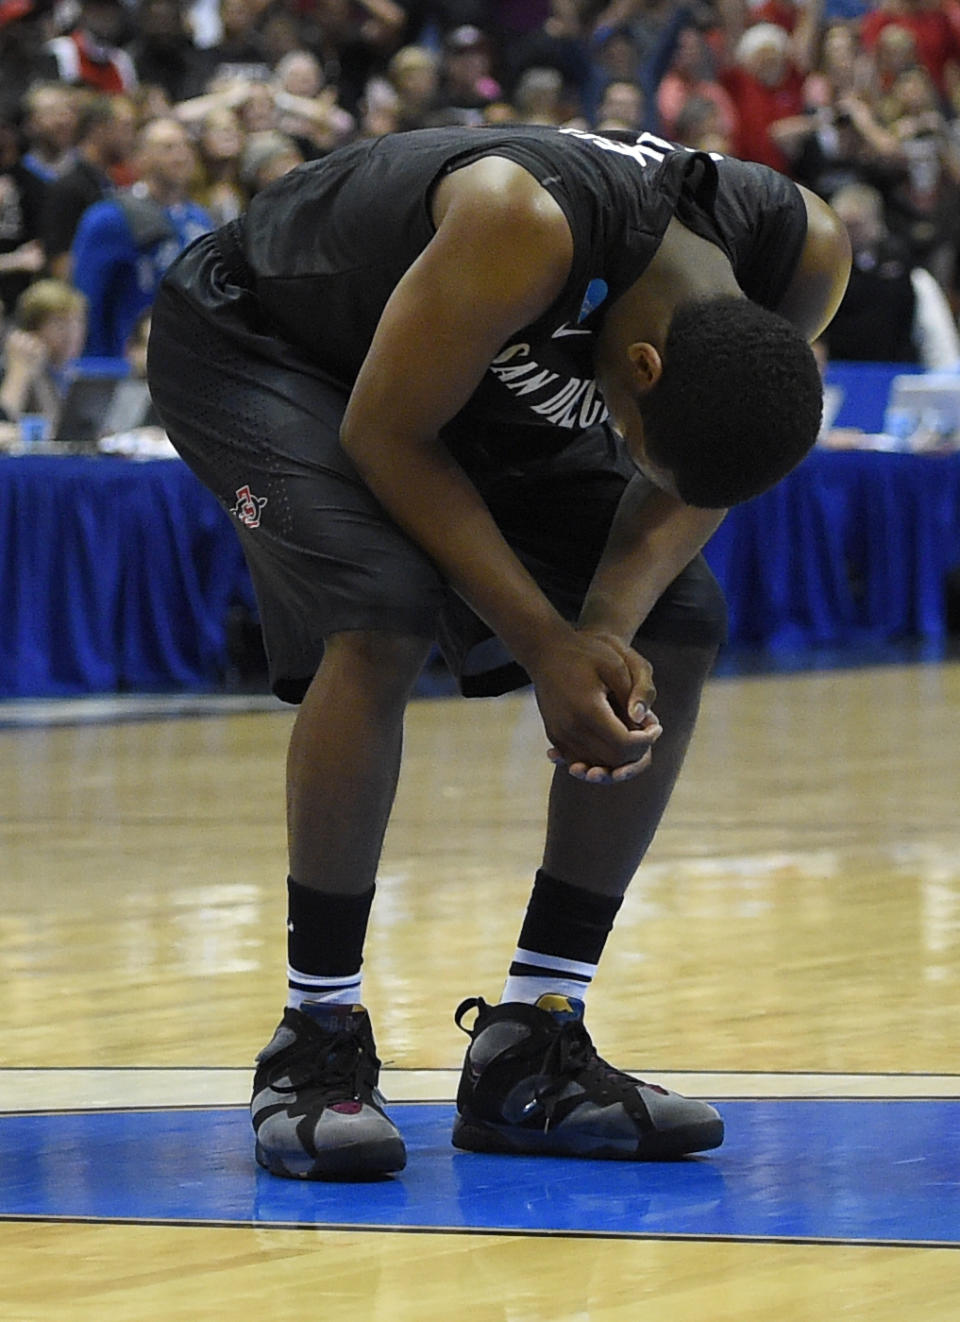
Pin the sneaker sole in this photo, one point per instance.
(474, 1136)
(364, 1161)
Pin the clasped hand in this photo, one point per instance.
(595, 696)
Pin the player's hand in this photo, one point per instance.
(601, 775)
(595, 694)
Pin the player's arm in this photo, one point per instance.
(500, 256)
(819, 282)
(653, 538)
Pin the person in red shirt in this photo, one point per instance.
(766, 86)
(936, 33)
(90, 55)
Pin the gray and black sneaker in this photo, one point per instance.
(316, 1109)
(532, 1082)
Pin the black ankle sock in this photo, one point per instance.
(567, 921)
(325, 930)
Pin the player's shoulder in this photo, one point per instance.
(753, 176)
(498, 194)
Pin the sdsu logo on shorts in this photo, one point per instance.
(248, 507)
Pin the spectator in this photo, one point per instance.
(893, 310)
(632, 52)
(123, 245)
(842, 69)
(217, 186)
(467, 83)
(413, 75)
(700, 125)
(925, 208)
(691, 74)
(91, 55)
(150, 101)
(241, 53)
(623, 108)
(841, 143)
(539, 98)
(544, 34)
(107, 130)
(356, 40)
(282, 32)
(50, 129)
(258, 108)
(21, 205)
(895, 51)
(308, 111)
(615, 57)
(311, 114)
(163, 51)
(937, 42)
(24, 59)
(765, 86)
(267, 156)
(50, 324)
(298, 72)
(379, 109)
(644, 21)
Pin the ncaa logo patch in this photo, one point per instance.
(248, 507)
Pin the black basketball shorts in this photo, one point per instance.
(259, 425)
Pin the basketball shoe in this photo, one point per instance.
(532, 1082)
(316, 1108)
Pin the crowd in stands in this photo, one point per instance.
(127, 127)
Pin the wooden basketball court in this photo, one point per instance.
(790, 949)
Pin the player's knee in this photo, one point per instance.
(383, 661)
(691, 613)
(708, 616)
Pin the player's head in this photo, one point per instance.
(737, 403)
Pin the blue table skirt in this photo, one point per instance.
(853, 547)
(113, 576)
(119, 576)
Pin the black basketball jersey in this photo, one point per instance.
(327, 244)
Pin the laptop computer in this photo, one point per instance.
(97, 406)
(931, 399)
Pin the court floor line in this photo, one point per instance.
(112, 709)
(187, 1223)
(106, 1088)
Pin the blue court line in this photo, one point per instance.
(837, 1171)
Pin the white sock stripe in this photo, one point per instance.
(531, 989)
(554, 962)
(315, 980)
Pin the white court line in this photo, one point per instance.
(104, 1089)
(111, 709)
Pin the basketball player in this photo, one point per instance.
(491, 389)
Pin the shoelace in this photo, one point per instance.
(567, 1057)
(340, 1071)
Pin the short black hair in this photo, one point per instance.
(738, 404)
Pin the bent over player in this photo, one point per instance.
(491, 389)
